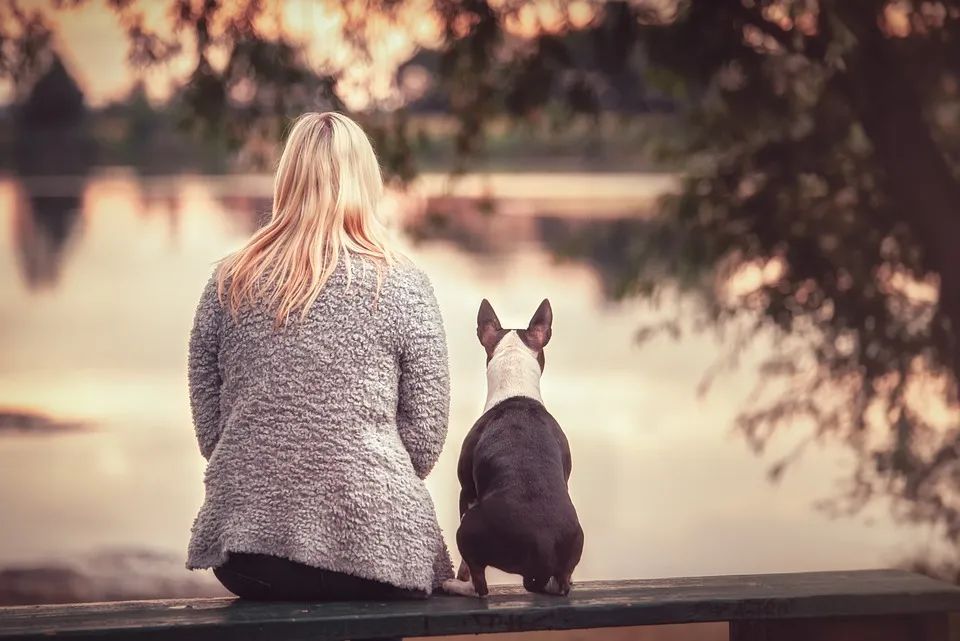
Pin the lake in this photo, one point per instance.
(100, 476)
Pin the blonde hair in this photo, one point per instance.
(325, 197)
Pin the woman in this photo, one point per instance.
(320, 392)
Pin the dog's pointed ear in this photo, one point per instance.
(540, 328)
(488, 325)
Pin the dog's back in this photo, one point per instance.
(515, 511)
(518, 460)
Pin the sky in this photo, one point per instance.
(92, 42)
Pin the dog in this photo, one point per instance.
(515, 511)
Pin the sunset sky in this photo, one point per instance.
(92, 42)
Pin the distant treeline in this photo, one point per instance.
(53, 131)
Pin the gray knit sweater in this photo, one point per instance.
(319, 435)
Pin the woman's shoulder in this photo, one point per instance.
(410, 305)
(409, 297)
(210, 295)
(407, 279)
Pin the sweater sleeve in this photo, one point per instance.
(204, 370)
(424, 395)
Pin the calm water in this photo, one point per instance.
(98, 281)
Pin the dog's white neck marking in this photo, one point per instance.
(513, 371)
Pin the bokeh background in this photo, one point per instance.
(746, 214)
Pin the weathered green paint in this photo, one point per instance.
(590, 605)
(903, 627)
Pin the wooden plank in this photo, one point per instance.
(713, 631)
(590, 605)
(908, 627)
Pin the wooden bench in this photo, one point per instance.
(874, 605)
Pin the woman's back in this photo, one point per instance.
(324, 429)
(340, 362)
(319, 383)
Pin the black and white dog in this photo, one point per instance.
(515, 512)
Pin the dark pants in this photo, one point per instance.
(261, 577)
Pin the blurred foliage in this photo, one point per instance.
(829, 156)
(25, 41)
(54, 100)
(821, 200)
(820, 205)
(249, 78)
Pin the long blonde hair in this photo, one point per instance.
(325, 198)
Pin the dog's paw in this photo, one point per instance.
(553, 587)
(459, 588)
(463, 574)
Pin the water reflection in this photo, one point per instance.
(43, 226)
(662, 485)
(107, 575)
(22, 422)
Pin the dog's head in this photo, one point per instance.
(497, 341)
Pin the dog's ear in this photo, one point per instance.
(540, 328)
(488, 325)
